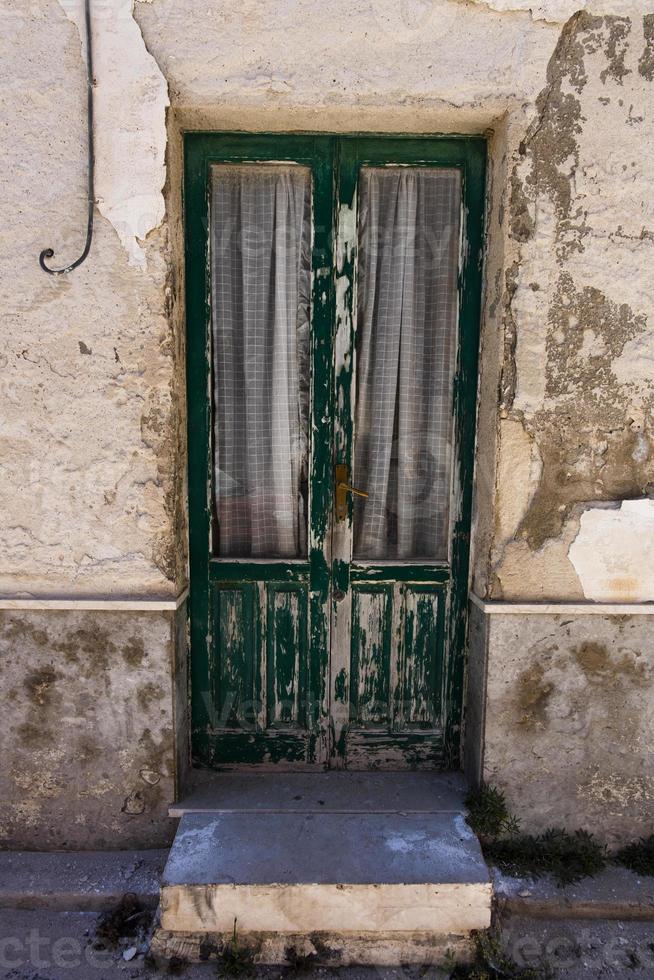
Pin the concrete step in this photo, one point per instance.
(368, 886)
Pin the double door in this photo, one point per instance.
(333, 288)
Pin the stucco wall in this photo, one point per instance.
(92, 387)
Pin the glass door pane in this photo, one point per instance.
(408, 232)
(261, 283)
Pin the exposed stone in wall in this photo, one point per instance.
(646, 60)
(89, 756)
(519, 473)
(568, 729)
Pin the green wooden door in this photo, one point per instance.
(342, 646)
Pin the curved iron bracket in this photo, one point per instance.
(47, 253)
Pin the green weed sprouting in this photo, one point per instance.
(638, 856)
(567, 857)
(488, 812)
(491, 961)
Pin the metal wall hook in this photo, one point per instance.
(47, 253)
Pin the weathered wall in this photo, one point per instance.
(89, 501)
(90, 712)
(568, 727)
(91, 496)
(560, 704)
(92, 392)
(577, 304)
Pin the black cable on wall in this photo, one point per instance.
(47, 253)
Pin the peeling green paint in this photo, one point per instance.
(259, 631)
(340, 685)
(400, 693)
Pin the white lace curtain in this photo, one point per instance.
(261, 266)
(406, 344)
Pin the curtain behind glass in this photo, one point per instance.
(406, 344)
(261, 276)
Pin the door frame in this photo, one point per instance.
(201, 149)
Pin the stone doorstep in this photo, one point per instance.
(450, 909)
(338, 792)
(378, 887)
(352, 868)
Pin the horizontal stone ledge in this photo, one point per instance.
(108, 603)
(78, 881)
(562, 608)
(615, 893)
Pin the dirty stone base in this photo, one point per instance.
(324, 949)
(95, 727)
(560, 716)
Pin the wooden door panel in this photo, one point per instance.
(420, 679)
(261, 707)
(259, 620)
(236, 671)
(286, 633)
(396, 676)
(370, 656)
(396, 694)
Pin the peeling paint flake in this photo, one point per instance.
(612, 553)
(347, 224)
(131, 97)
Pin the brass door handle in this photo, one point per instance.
(342, 490)
(347, 487)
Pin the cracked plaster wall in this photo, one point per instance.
(559, 706)
(92, 495)
(90, 498)
(95, 729)
(577, 300)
